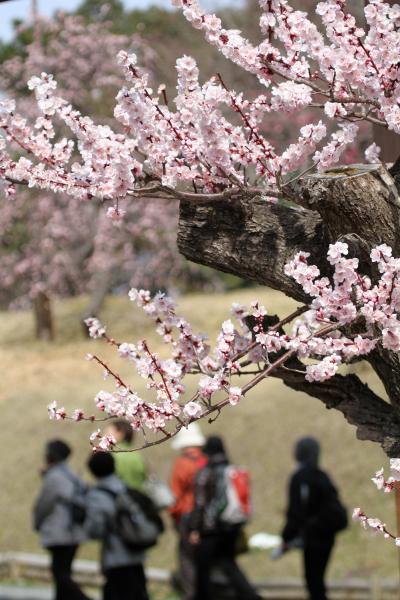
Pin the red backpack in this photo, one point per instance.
(237, 509)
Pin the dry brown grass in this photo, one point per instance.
(259, 433)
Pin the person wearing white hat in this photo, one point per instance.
(189, 442)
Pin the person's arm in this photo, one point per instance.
(52, 491)
(179, 486)
(295, 511)
(96, 521)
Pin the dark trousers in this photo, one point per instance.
(316, 558)
(187, 570)
(61, 564)
(125, 583)
(219, 550)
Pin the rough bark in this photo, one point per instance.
(44, 327)
(254, 240)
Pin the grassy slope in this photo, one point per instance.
(259, 433)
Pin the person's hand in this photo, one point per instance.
(194, 538)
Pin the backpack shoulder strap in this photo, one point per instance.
(111, 493)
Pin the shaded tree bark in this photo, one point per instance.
(254, 240)
(101, 288)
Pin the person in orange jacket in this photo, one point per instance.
(189, 443)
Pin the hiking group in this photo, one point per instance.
(209, 502)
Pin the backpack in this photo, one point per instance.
(333, 517)
(233, 495)
(136, 520)
(77, 503)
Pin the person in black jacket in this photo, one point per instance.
(214, 541)
(314, 516)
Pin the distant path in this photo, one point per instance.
(11, 592)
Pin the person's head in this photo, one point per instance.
(306, 451)
(121, 430)
(188, 437)
(56, 451)
(214, 446)
(101, 464)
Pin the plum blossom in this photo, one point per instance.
(55, 413)
(95, 328)
(192, 409)
(372, 153)
(235, 395)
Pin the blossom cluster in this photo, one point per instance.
(350, 74)
(248, 346)
(387, 486)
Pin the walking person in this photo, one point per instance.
(213, 535)
(314, 516)
(129, 466)
(53, 516)
(122, 566)
(191, 459)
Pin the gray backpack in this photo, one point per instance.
(136, 520)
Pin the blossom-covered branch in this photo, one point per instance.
(210, 144)
(387, 486)
(321, 331)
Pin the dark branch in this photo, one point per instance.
(251, 240)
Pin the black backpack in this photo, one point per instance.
(136, 521)
(333, 516)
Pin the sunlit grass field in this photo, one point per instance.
(259, 433)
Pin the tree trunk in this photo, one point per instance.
(44, 328)
(254, 240)
(101, 288)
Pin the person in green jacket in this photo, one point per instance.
(129, 466)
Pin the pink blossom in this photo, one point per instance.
(96, 329)
(192, 409)
(372, 153)
(235, 395)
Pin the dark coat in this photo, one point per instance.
(206, 512)
(310, 491)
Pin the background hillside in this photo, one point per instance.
(259, 433)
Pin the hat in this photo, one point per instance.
(188, 436)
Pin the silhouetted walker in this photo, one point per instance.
(215, 541)
(314, 515)
(55, 519)
(122, 566)
(189, 442)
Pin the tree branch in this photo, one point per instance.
(374, 419)
(252, 240)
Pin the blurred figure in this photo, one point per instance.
(129, 466)
(122, 566)
(191, 459)
(214, 538)
(53, 516)
(314, 515)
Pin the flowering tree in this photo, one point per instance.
(64, 246)
(329, 245)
